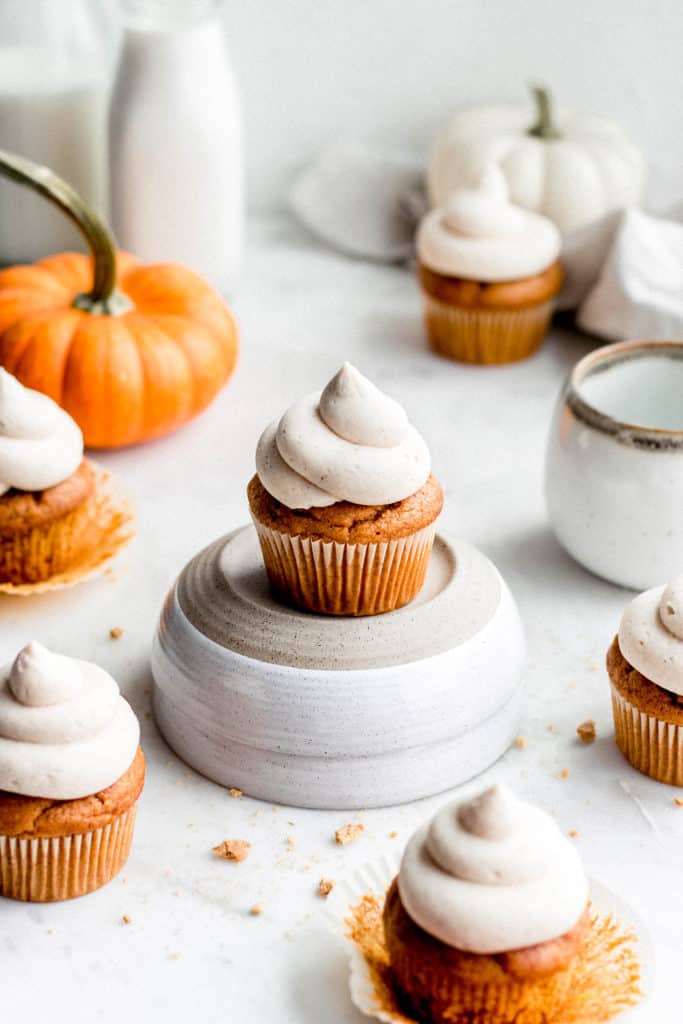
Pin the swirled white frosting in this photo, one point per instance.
(350, 442)
(65, 730)
(491, 875)
(651, 635)
(40, 445)
(481, 236)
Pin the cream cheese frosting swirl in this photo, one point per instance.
(651, 635)
(349, 442)
(481, 236)
(491, 875)
(40, 445)
(65, 730)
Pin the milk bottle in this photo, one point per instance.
(54, 76)
(175, 138)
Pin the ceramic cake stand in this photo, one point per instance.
(327, 712)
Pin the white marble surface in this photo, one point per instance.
(192, 947)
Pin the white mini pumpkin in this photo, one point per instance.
(574, 168)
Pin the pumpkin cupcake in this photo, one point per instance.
(489, 272)
(344, 502)
(46, 486)
(71, 773)
(645, 666)
(488, 916)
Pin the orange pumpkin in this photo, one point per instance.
(130, 350)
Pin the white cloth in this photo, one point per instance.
(639, 291)
(623, 273)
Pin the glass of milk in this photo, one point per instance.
(54, 78)
(176, 152)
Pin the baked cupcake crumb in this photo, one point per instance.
(256, 910)
(235, 792)
(348, 834)
(233, 849)
(115, 632)
(586, 731)
(325, 886)
(520, 742)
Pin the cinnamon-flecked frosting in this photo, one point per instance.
(651, 635)
(491, 875)
(40, 445)
(349, 442)
(65, 730)
(481, 236)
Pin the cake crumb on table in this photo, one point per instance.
(520, 742)
(573, 834)
(586, 731)
(392, 835)
(564, 774)
(233, 849)
(234, 791)
(348, 833)
(291, 841)
(256, 910)
(115, 632)
(325, 886)
(126, 919)
(678, 801)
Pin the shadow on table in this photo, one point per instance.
(320, 981)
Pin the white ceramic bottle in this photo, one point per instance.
(176, 154)
(54, 80)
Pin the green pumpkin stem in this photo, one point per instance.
(543, 127)
(102, 298)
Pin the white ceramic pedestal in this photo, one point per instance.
(327, 712)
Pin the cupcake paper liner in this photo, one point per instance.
(617, 964)
(51, 868)
(484, 335)
(652, 746)
(74, 548)
(346, 579)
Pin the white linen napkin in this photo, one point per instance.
(623, 273)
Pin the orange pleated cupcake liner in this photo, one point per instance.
(485, 335)
(70, 549)
(603, 982)
(51, 868)
(333, 578)
(652, 746)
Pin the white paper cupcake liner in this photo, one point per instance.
(652, 746)
(374, 878)
(51, 868)
(346, 579)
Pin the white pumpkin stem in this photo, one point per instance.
(543, 127)
(102, 298)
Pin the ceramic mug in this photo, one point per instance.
(614, 464)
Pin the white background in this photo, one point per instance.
(312, 71)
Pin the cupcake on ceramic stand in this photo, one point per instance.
(55, 518)
(489, 272)
(645, 666)
(487, 918)
(344, 502)
(71, 773)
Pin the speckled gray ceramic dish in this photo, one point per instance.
(333, 712)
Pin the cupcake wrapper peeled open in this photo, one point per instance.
(483, 335)
(346, 579)
(50, 868)
(652, 746)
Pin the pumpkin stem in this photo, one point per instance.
(102, 298)
(543, 127)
